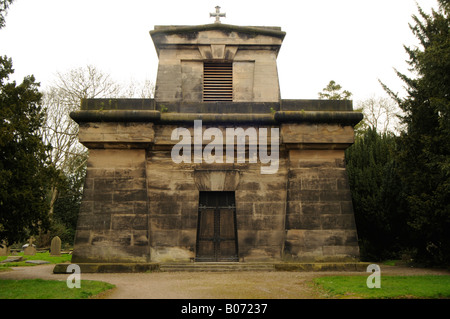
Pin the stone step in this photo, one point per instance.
(212, 267)
(215, 267)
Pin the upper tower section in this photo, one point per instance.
(217, 63)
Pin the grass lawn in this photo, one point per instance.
(50, 289)
(46, 289)
(39, 256)
(422, 287)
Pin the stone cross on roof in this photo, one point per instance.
(218, 15)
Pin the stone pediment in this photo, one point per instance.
(228, 28)
(211, 34)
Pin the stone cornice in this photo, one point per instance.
(249, 30)
(274, 118)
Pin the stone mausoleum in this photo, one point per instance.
(141, 205)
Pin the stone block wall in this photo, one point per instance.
(261, 207)
(180, 76)
(320, 223)
(140, 206)
(182, 51)
(113, 218)
(173, 192)
(173, 208)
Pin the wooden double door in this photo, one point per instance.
(216, 230)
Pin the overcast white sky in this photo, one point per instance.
(354, 42)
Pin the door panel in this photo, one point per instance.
(227, 251)
(227, 223)
(227, 235)
(217, 233)
(205, 250)
(206, 224)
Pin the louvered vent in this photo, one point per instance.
(217, 82)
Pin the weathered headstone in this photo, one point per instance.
(12, 259)
(30, 250)
(4, 250)
(55, 246)
(37, 262)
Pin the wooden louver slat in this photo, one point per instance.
(217, 82)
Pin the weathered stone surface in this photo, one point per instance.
(12, 259)
(29, 251)
(297, 105)
(125, 267)
(55, 246)
(317, 134)
(37, 262)
(309, 193)
(319, 220)
(4, 250)
(114, 207)
(220, 180)
(181, 59)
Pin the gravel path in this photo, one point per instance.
(210, 285)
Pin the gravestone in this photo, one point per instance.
(4, 250)
(12, 259)
(30, 250)
(37, 262)
(55, 246)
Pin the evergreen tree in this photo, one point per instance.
(68, 201)
(24, 172)
(4, 5)
(424, 147)
(376, 196)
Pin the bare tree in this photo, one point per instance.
(381, 114)
(65, 96)
(140, 90)
(86, 83)
(60, 130)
